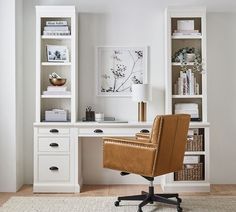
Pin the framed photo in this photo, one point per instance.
(118, 68)
(57, 53)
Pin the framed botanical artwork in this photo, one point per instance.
(57, 53)
(118, 68)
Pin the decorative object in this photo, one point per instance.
(99, 117)
(82, 204)
(55, 115)
(56, 80)
(185, 25)
(188, 55)
(119, 68)
(140, 94)
(89, 114)
(57, 53)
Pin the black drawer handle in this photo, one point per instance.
(54, 131)
(54, 168)
(98, 131)
(144, 131)
(54, 145)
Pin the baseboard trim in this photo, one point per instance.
(55, 188)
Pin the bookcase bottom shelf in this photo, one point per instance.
(186, 187)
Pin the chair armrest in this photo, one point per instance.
(143, 136)
(129, 155)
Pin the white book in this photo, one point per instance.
(56, 33)
(56, 28)
(56, 23)
(191, 159)
(187, 33)
(185, 86)
(56, 93)
(56, 88)
(197, 89)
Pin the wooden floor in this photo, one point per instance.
(116, 190)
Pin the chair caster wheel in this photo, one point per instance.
(179, 209)
(117, 203)
(140, 210)
(179, 199)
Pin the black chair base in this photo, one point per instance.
(150, 197)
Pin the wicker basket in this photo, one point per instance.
(190, 172)
(194, 143)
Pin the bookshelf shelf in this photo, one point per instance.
(187, 37)
(56, 37)
(179, 64)
(55, 96)
(180, 80)
(186, 96)
(195, 153)
(55, 64)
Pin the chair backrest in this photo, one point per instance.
(169, 132)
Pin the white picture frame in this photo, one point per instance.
(56, 53)
(118, 68)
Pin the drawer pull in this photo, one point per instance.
(54, 131)
(98, 131)
(54, 168)
(54, 145)
(144, 131)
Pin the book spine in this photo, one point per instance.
(56, 23)
(56, 28)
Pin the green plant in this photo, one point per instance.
(181, 57)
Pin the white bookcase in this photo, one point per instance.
(54, 144)
(173, 44)
(67, 70)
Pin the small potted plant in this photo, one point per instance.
(187, 55)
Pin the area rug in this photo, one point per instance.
(106, 204)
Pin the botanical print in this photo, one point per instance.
(119, 68)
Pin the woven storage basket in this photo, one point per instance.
(190, 172)
(195, 143)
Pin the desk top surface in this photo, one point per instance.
(96, 124)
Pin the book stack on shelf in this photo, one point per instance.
(56, 28)
(186, 27)
(186, 84)
(194, 141)
(56, 90)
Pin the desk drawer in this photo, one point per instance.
(53, 168)
(53, 144)
(97, 132)
(53, 131)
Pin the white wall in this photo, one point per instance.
(11, 142)
(138, 23)
(222, 95)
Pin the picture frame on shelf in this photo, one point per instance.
(56, 53)
(118, 68)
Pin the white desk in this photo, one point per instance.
(57, 151)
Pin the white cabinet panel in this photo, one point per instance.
(53, 168)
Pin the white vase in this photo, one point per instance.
(190, 57)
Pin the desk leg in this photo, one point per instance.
(77, 160)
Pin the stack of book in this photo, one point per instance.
(186, 27)
(56, 90)
(186, 84)
(56, 28)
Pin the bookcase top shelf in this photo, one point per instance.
(187, 37)
(55, 64)
(186, 96)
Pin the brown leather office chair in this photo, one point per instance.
(159, 153)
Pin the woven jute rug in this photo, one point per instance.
(106, 204)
